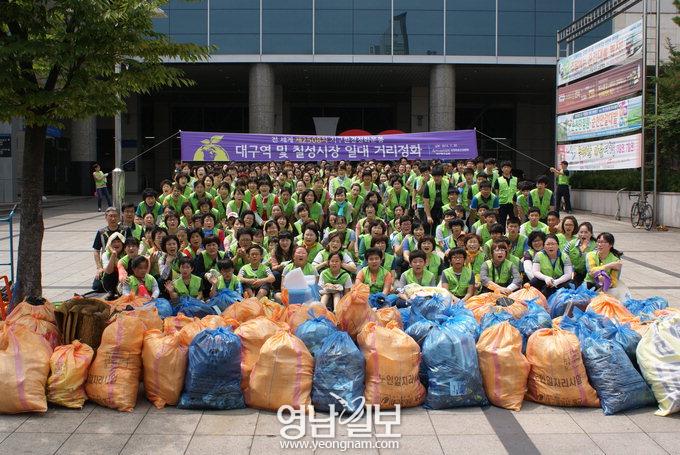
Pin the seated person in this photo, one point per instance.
(308, 269)
(255, 276)
(226, 280)
(534, 223)
(389, 261)
(334, 281)
(484, 231)
(499, 274)
(374, 274)
(433, 261)
(459, 278)
(416, 274)
(535, 242)
(131, 252)
(140, 282)
(551, 268)
(605, 259)
(496, 231)
(186, 284)
(114, 250)
(334, 245)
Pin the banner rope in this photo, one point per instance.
(151, 148)
(513, 149)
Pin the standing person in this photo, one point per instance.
(563, 190)
(101, 189)
(506, 186)
(435, 193)
(542, 197)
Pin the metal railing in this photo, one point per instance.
(9, 220)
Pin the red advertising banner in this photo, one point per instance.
(603, 88)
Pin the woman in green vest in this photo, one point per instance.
(199, 194)
(334, 245)
(458, 278)
(475, 254)
(100, 186)
(416, 273)
(356, 199)
(186, 284)
(310, 241)
(238, 205)
(314, 207)
(433, 263)
(341, 206)
(568, 230)
(605, 259)
(578, 248)
(221, 200)
(551, 268)
(334, 281)
(374, 275)
(397, 195)
(499, 274)
(535, 242)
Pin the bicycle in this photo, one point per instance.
(641, 213)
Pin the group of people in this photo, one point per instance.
(469, 226)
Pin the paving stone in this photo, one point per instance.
(52, 422)
(627, 444)
(461, 424)
(554, 424)
(232, 423)
(93, 444)
(565, 444)
(164, 423)
(166, 444)
(650, 423)
(594, 421)
(669, 441)
(471, 444)
(209, 444)
(33, 443)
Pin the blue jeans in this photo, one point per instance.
(103, 193)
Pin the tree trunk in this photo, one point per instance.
(29, 272)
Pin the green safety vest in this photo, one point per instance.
(315, 212)
(466, 196)
(484, 233)
(264, 209)
(356, 204)
(432, 190)
(221, 207)
(194, 198)
(578, 258)
(156, 210)
(539, 227)
(379, 283)
(134, 282)
(433, 264)
(247, 197)
(388, 260)
(523, 203)
(137, 231)
(518, 246)
(175, 204)
(232, 286)
(426, 279)
(548, 268)
(562, 240)
(210, 264)
(506, 190)
(313, 251)
(99, 180)
(394, 199)
(307, 270)
(477, 263)
(501, 276)
(330, 279)
(336, 183)
(543, 203)
(231, 207)
(193, 289)
(288, 208)
(563, 179)
(364, 191)
(458, 285)
(613, 274)
(251, 274)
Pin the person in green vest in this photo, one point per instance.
(522, 200)
(140, 282)
(491, 171)
(475, 254)
(314, 208)
(568, 231)
(484, 198)
(465, 189)
(102, 190)
(186, 215)
(552, 269)
(374, 275)
(322, 196)
(410, 242)
(187, 284)
(209, 182)
(367, 184)
(250, 193)
(534, 224)
(442, 231)
(347, 236)
(433, 262)
(226, 280)
(484, 231)
(341, 180)
(204, 207)
(149, 204)
(334, 245)
(310, 241)
(452, 199)
(195, 237)
(206, 260)
(496, 231)
(340, 206)
(238, 205)
(435, 193)
(334, 281)
(605, 259)
(389, 261)
(373, 197)
(396, 195)
(168, 261)
(506, 188)
(417, 273)
(131, 250)
(578, 248)
(356, 200)
(286, 203)
(456, 229)
(563, 190)
(183, 181)
(499, 274)
(221, 201)
(263, 201)
(542, 197)
(256, 277)
(376, 228)
(553, 222)
(128, 225)
(458, 279)
(518, 242)
(535, 241)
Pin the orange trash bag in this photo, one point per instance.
(529, 292)
(282, 374)
(503, 366)
(516, 308)
(297, 313)
(388, 314)
(148, 314)
(609, 306)
(68, 365)
(272, 310)
(353, 310)
(244, 310)
(113, 380)
(176, 323)
(124, 301)
(481, 304)
(43, 311)
(558, 376)
(24, 366)
(392, 363)
(165, 361)
(41, 327)
(253, 334)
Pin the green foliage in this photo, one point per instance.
(58, 57)
(669, 180)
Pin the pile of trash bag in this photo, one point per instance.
(313, 332)
(577, 297)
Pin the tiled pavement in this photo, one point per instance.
(650, 269)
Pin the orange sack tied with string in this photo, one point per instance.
(244, 310)
(69, 365)
(165, 361)
(39, 319)
(353, 310)
(24, 366)
(388, 314)
(609, 306)
(503, 366)
(392, 363)
(528, 292)
(296, 314)
(558, 376)
(113, 380)
(481, 304)
(253, 334)
(282, 374)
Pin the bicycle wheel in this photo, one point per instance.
(635, 214)
(647, 216)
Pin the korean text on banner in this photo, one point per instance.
(617, 153)
(443, 145)
(613, 50)
(616, 118)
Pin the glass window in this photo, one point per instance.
(235, 26)
(287, 26)
(418, 27)
(516, 27)
(334, 27)
(372, 27)
(470, 27)
(188, 22)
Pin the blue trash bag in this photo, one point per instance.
(624, 336)
(314, 332)
(645, 308)
(163, 306)
(338, 370)
(224, 299)
(494, 317)
(430, 307)
(194, 308)
(460, 318)
(610, 371)
(304, 296)
(535, 318)
(380, 300)
(584, 323)
(213, 377)
(405, 316)
(453, 377)
(418, 330)
(580, 297)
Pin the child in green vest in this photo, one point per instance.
(334, 281)
(484, 231)
(226, 280)
(416, 274)
(534, 223)
(256, 277)
(140, 282)
(495, 232)
(458, 278)
(499, 274)
(542, 197)
(374, 275)
(187, 283)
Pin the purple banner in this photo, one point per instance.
(442, 145)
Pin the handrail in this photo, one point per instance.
(618, 204)
(9, 219)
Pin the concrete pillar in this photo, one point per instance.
(420, 105)
(442, 98)
(261, 99)
(83, 154)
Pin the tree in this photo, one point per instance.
(58, 61)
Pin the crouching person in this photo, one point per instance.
(256, 277)
(499, 274)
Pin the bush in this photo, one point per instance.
(669, 180)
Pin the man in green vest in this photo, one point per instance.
(435, 195)
(459, 278)
(506, 187)
(255, 276)
(563, 190)
(100, 186)
(542, 197)
(187, 284)
(417, 273)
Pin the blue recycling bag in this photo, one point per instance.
(580, 298)
(450, 362)
(418, 330)
(645, 308)
(339, 373)
(405, 316)
(584, 323)
(163, 306)
(314, 332)
(224, 299)
(380, 300)
(213, 377)
(429, 308)
(494, 317)
(535, 318)
(619, 385)
(624, 336)
(460, 318)
(194, 308)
